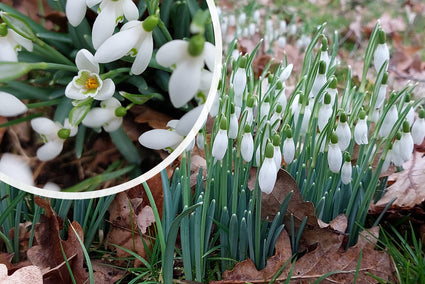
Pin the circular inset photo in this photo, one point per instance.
(96, 97)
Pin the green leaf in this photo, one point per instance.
(138, 99)
(13, 70)
(78, 113)
(19, 25)
(125, 146)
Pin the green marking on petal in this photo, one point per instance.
(120, 19)
(82, 79)
(133, 52)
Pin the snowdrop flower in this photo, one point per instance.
(276, 117)
(242, 19)
(389, 120)
(361, 130)
(410, 116)
(265, 108)
(407, 142)
(332, 89)
(220, 142)
(109, 115)
(382, 92)
(88, 83)
(53, 134)
(334, 155)
(52, 186)
(282, 26)
(239, 81)
(169, 139)
(252, 28)
(10, 43)
(382, 53)
(325, 112)
(280, 94)
(268, 173)
(232, 20)
(256, 16)
(396, 155)
(187, 59)
(10, 105)
(281, 42)
(14, 166)
(303, 41)
(292, 28)
(286, 72)
(134, 38)
(346, 169)
(75, 11)
(319, 81)
(277, 154)
(343, 132)
(288, 147)
(418, 128)
(376, 114)
(233, 125)
(324, 56)
(111, 13)
(247, 144)
(387, 161)
(200, 140)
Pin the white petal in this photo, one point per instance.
(171, 52)
(52, 186)
(45, 126)
(7, 52)
(158, 139)
(277, 157)
(118, 45)
(288, 150)
(10, 105)
(131, 12)
(233, 127)
(104, 25)
(346, 171)
(186, 122)
(113, 124)
(50, 150)
(407, 148)
(91, 3)
(173, 124)
(361, 132)
(85, 61)
(286, 72)
(97, 117)
(206, 80)
(344, 135)
(418, 131)
(381, 55)
(209, 55)
(220, 145)
(107, 90)
(247, 147)
(112, 103)
(75, 11)
(73, 92)
(144, 55)
(15, 167)
(26, 43)
(239, 82)
(334, 158)
(184, 83)
(267, 176)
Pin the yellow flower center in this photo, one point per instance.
(91, 84)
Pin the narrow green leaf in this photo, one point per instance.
(19, 25)
(126, 146)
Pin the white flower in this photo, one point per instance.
(281, 42)
(389, 120)
(343, 132)
(52, 186)
(53, 134)
(396, 156)
(325, 112)
(14, 166)
(75, 11)
(334, 155)
(346, 171)
(382, 53)
(286, 72)
(220, 144)
(418, 128)
(233, 126)
(239, 82)
(111, 13)
(10, 105)
(361, 130)
(10, 44)
(282, 26)
(247, 145)
(88, 83)
(319, 80)
(387, 161)
(134, 38)
(268, 173)
(406, 142)
(277, 156)
(200, 140)
(288, 150)
(185, 81)
(382, 92)
(265, 108)
(105, 116)
(169, 139)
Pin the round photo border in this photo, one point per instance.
(168, 160)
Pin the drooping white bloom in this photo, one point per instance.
(418, 128)
(75, 11)
(53, 134)
(382, 53)
(306, 120)
(288, 150)
(10, 43)
(265, 108)
(10, 105)
(220, 145)
(242, 19)
(256, 16)
(134, 38)
(325, 112)
(346, 171)
(332, 89)
(52, 186)
(396, 156)
(343, 132)
(281, 42)
(319, 80)
(247, 145)
(334, 155)
(169, 139)
(389, 120)
(282, 26)
(233, 126)
(106, 116)
(387, 161)
(361, 130)
(239, 82)
(382, 92)
(268, 173)
(15, 167)
(252, 29)
(407, 142)
(88, 82)
(376, 114)
(185, 80)
(200, 140)
(111, 13)
(286, 72)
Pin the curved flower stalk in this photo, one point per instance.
(343, 132)
(268, 173)
(220, 141)
(88, 84)
(111, 13)
(334, 155)
(135, 39)
(169, 139)
(382, 53)
(361, 130)
(10, 43)
(53, 134)
(187, 58)
(10, 105)
(418, 128)
(247, 144)
(14, 166)
(109, 115)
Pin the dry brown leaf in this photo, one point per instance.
(48, 255)
(408, 186)
(25, 275)
(106, 274)
(154, 118)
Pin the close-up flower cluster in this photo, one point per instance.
(73, 83)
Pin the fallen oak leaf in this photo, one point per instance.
(25, 275)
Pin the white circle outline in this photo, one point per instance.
(167, 161)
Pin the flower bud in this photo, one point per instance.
(196, 45)
(150, 23)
